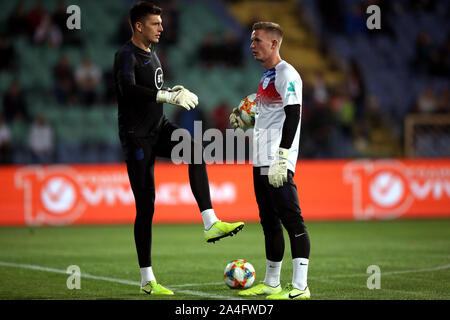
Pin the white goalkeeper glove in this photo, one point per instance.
(179, 96)
(235, 119)
(278, 168)
(177, 88)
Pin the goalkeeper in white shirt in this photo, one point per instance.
(275, 149)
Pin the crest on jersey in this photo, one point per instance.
(265, 83)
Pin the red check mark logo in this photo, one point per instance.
(384, 189)
(55, 195)
(58, 195)
(387, 189)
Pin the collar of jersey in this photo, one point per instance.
(142, 51)
(269, 72)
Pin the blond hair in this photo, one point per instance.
(271, 27)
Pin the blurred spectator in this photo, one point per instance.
(443, 103)
(40, 141)
(220, 116)
(36, 15)
(320, 130)
(332, 14)
(227, 53)
(5, 142)
(230, 50)
(171, 22)
(423, 49)
(307, 99)
(162, 55)
(48, 33)
(14, 103)
(110, 89)
(59, 17)
(344, 109)
(431, 59)
(7, 54)
(64, 82)
(440, 60)
(423, 5)
(17, 23)
(207, 51)
(320, 89)
(87, 77)
(123, 33)
(445, 56)
(356, 88)
(375, 135)
(426, 102)
(355, 20)
(435, 68)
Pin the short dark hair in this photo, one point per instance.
(140, 10)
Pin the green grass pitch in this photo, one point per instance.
(413, 255)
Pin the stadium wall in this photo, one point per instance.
(328, 190)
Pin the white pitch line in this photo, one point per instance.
(84, 275)
(447, 266)
(122, 281)
(196, 284)
(203, 294)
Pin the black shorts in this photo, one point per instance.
(141, 152)
(276, 204)
(159, 141)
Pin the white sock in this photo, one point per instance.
(299, 277)
(209, 218)
(147, 275)
(273, 271)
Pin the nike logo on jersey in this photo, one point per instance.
(147, 62)
(298, 235)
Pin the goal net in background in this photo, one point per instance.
(427, 136)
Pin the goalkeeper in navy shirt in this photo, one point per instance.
(145, 133)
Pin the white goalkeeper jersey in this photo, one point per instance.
(279, 87)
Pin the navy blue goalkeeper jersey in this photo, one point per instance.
(138, 76)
